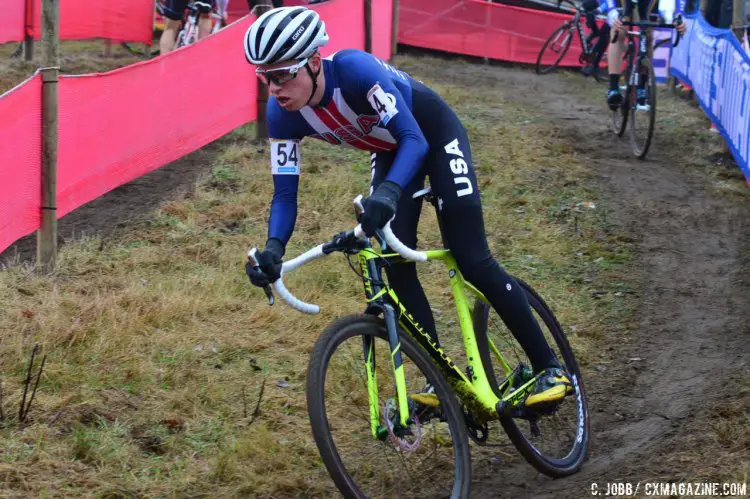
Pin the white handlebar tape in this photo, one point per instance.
(401, 248)
(391, 239)
(293, 301)
(304, 258)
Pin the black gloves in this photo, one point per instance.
(380, 207)
(269, 264)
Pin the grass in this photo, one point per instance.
(76, 57)
(158, 346)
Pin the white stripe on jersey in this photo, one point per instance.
(317, 125)
(346, 111)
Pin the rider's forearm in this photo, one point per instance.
(410, 155)
(283, 207)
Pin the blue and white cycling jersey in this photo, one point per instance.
(368, 105)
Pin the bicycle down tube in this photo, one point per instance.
(474, 389)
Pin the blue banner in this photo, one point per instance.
(713, 62)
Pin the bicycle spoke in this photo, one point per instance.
(552, 434)
(381, 468)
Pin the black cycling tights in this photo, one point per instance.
(454, 184)
(464, 234)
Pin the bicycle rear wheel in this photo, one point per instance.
(555, 444)
(554, 49)
(361, 464)
(643, 117)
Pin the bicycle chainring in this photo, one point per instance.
(477, 432)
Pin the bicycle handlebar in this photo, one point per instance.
(649, 24)
(324, 250)
(392, 240)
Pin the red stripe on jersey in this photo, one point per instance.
(331, 107)
(341, 132)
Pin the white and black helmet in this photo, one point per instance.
(283, 34)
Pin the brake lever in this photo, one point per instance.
(254, 263)
(269, 294)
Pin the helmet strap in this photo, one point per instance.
(314, 77)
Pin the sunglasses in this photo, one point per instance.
(280, 76)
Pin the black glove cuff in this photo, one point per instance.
(389, 190)
(275, 246)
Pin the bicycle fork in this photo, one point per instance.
(379, 431)
(397, 364)
(635, 73)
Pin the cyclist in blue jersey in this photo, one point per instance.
(666, 10)
(592, 8)
(354, 99)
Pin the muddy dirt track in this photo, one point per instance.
(691, 328)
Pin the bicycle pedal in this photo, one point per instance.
(543, 409)
(428, 399)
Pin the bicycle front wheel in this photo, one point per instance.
(620, 115)
(555, 444)
(429, 459)
(554, 49)
(643, 116)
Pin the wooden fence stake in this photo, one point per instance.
(368, 26)
(394, 28)
(261, 129)
(47, 234)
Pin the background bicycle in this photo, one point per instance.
(189, 32)
(556, 47)
(639, 86)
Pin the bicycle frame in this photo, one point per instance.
(644, 41)
(190, 30)
(579, 28)
(576, 21)
(473, 390)
(644, 37)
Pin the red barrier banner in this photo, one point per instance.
(345, 23)
(115, 127)
(240, 8)
(236, 10)
(20, 161)
(382, 24)
(12, 21)
(120, 20)
(480, 28)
